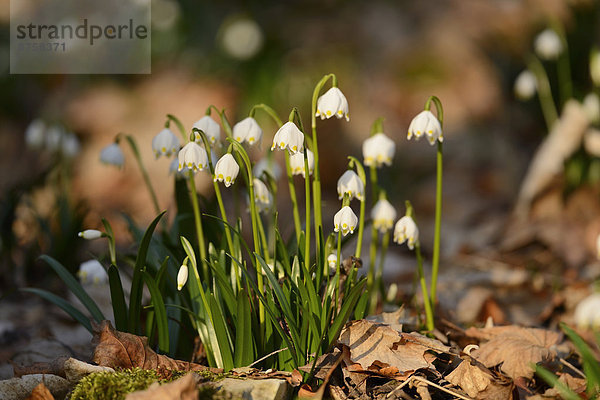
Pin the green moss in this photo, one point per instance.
(113, 385)
(116, 385)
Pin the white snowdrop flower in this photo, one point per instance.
(210, 127)
(35, 134)
(383, 215)
(595, 67)
(226, 170)
(350, 184)
(425, 123)
(92, 272)
(525, 85)
(289, 136)
(378, 150)
(182, 276)
(193, 157)
(587, 312)
(54, 138)
(70, 145)
(591, 142)
(332, 261)
(165, 143)
(247, 130)
(297, 163)
(345, 221)
(333, 102)
(269, 165)
(112, 155)
(591, 106)
(90, 234)
(262, 197)
(548, 45)
(406, 231)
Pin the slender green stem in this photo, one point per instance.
(307, 211)
(145, 175)
(374, 238)
(426, 299)
(316, 173)
(384, 247)
(112, 249)
(272, 113)
(198, 223)
(544, 91)
(438, 200)
(294, 200)
(263, 241)
(563, 65)
(171, 117)
(361, 221)
(337, 270)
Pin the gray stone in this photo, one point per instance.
(20, 388)
(253, 389)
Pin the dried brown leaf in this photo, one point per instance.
(371, 343)
(515, 348)
(478, 382)
(183, 388)
(40, 392)
(123, 350)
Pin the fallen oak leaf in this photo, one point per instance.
(479, 382)
(514, 347)
(372, 342)
(124, 350)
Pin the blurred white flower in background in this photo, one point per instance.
(591, 106)
(548, 45)
(241, 37)
(174, 169)
(587, 312)
(383, 215)
(165, 143)
(164, 14)
(54, 138)
(35, 134)
(591, 142)
(269, 165)
(70, 145)
(595, 66)
(406, 231)
(210, 127)
(262, 197)
(92, 272)
(297, 163)
(112, 155)
(378, 150)
(525, 85)
(333, 102)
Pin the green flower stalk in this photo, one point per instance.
(360, 171)
(544, 91)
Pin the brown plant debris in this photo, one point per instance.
(40, 392)
(515, 348)
(124, 350)
(479, 382)
(378, 346)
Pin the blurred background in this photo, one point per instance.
(389, 56)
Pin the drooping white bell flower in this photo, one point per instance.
(165, 143)
(269, 165)
(333, 102)
(406, 231)
(35, 134)
(525, 85)
(297, 163)
(425, 123)
(290, 137)
(247, 130)
(70, 146)
(548, 45)
(587, 312)
(182, 276)
(378, 150)
(193, 157)
(591, 106)
(92, 272)
(350, 184)
(112, 155)
(383, 215)
(210, 127)
(54, 138)
(392, 293)
(262, 197)
(90, 234)
(332, 261)
(345, 221)
(226, 170)
(595, 67)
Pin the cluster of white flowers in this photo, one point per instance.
(53, 138)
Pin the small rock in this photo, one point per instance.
(21, 388)
(264, 389)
